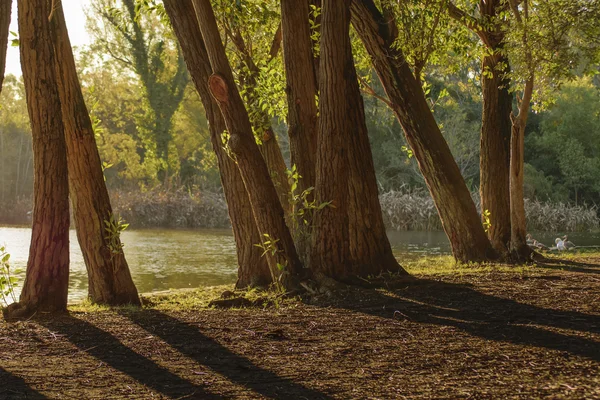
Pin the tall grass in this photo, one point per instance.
(413, 209)
(172, 209)
(403, 210)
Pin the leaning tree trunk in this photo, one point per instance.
(271, 153)
(108, 273)
(453, 201)
(301, 93)
(267, 210)
(47, 276)
(5, 8)
(253, 269)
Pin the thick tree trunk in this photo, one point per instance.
(108, 273)
(301, 93)
(5, 9)
(267, 210)
(453, 201)
(253, 269)
(495, 150)
(330, 250)
(349, 238)
(47, 277)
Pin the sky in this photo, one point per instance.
(75, 23)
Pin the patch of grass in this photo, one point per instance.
(446, 265)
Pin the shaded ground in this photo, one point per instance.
(530, 333)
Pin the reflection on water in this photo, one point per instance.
(173, 259)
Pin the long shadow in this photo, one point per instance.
(107, 348)
(13, 387)
(486, 316)
(569, 265)
(190, 341)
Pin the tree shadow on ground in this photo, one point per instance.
(13, 387)
(190, 341)
(107, 348)
(569, 265)
(486, 316)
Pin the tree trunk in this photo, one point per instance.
(47, 277)
(108, 273)
(330, 250)
(253, 269)
(494, 186)
(453, 201)
(301, 93)
(519, 246)
(267, 210)
(271, 153)
(5, 9)
(519, 249)
(349, 237)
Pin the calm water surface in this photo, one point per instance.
(174, 259)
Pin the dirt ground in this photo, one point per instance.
(531, 333)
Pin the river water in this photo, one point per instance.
(162, 259)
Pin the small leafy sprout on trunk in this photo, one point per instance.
(113, 228)
(7, 281)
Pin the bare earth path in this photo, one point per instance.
(532, 333)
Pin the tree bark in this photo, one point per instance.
(349, 236)
(253, 269)
(330, 250)
(109, 278)
(494, 170)
(47, 277)
(519, 249)
(5, 9)
(301, 90)
(453, 201)
(267, 210)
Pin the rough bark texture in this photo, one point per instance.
(5, 9)
(494, 161)
(47, 277)
(350, 238)
(330, 250)
(494, 172)
(253, 269)
(108, 273)
(301, 90)
(519, 247)
(267, 210)
(457, 211)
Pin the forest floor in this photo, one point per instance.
(456, 332)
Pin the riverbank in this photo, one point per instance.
(403, 210)
(456, 332)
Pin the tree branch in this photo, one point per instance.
(370, 91)
(468, 21)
